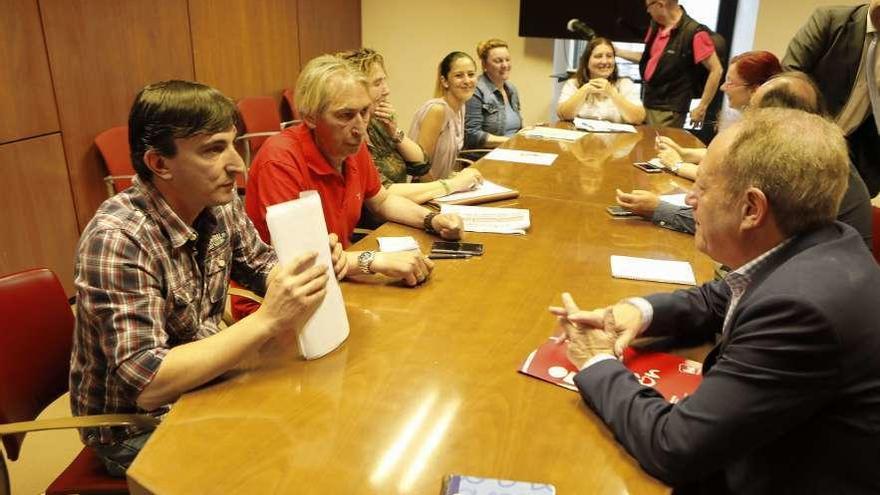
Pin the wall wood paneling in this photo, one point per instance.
(39, 228)
(245, 48)
(27, 102)
(327, 26)
(101, 53)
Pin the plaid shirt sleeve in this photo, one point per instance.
(122, 307)
(252, 259)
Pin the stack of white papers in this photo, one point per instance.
(297, 227)
(487, 188)
(553, 133)
(397, 244)
(492, 220)
(592, 125)
(676, 199)
(673, 272)
(521, 156)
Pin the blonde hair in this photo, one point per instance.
(363, 59)
(798, 160)
(445, 67)
(484, 47)
(319, 80)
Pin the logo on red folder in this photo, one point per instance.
(672, 376)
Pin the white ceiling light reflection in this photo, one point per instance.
(431, 442)
(404, 438)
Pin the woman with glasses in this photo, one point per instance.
(746, 73)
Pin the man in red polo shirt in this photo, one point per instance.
(328, 153)
(674, 45)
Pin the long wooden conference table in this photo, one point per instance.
(427, 384)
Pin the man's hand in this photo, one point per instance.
(449, 225)
(584, 330)
(622, 322)
(698, 114)
(384, 111)
(337, 255)
(411, 266)
(294, 293)
(642, 203)
(466, 180)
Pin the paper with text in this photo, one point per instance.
(487, 189)
(673, 272)
(675, 199)
(521, 156)
(553, 133)
(491, 220)
(593, 125)
(296, 227)
(397, 244)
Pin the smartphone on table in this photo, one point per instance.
(450, 247)
(619, 211)
(648, 167)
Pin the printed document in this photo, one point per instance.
(492, 220)
(521, 156)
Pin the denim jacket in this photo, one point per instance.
(485, 111)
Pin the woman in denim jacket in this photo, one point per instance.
(493, 113)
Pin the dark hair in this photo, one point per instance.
(446, 66)
(795, 90)
(756, 67)
(169, 110)
(583, 73)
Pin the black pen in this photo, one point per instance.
(448, 256)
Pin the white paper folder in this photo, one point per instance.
(296, 227)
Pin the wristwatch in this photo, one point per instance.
(398, 136)
(429, 226)
(365, 259)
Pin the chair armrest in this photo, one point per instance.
(140, 420)
(464, 162)
(288, 123)
(249, 135)
(475, 150)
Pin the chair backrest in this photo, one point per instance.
(875, 210)
(36, 338)
(287, 100)
(114, 149)
(259, 114)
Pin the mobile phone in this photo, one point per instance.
(471, 248)
(619, 211)
(648, 167)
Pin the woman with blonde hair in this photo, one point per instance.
(596, 92)
(493, 113)
(438, 125)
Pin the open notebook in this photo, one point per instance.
(486, 192)
(296, 227)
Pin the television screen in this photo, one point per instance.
(619, 20)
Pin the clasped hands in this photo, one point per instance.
(607, 330)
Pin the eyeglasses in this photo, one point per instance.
(731, 84)
(653, 4)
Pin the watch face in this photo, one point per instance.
(365, 259)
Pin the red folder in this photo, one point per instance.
(673, 376)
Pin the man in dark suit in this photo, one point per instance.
(790, 397)
(834, 47)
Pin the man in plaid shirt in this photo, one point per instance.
(154, 264)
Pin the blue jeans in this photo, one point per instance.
(118, 457)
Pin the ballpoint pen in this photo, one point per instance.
(448, 256)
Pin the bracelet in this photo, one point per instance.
(429, 226)
(398, 136)
(445, 186)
